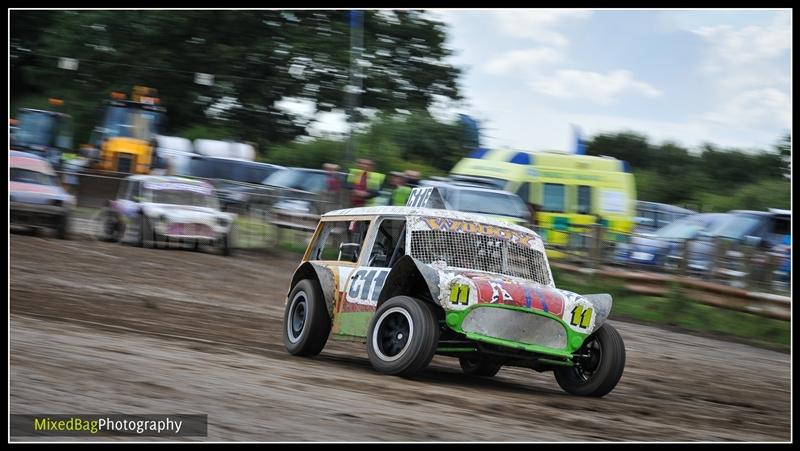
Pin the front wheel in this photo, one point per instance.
(109, 226)
(599, 367)
(403, 336)
(306, 323)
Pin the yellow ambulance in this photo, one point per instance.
(568, 191)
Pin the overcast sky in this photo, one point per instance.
(687, 76)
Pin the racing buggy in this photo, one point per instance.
(162, 211)
(414, 282)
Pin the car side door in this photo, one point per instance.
(363, 287)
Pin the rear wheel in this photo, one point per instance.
(600, 366)
(306, 323)
(481, 368)
(62, 227)
(224, 244)
(402, 336)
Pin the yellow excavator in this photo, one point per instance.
(125, 141)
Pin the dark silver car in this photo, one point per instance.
(762, 230)
(659, 247)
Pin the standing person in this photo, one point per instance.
(401, 189)
(333, 185)
(365, 183)
(412, 178)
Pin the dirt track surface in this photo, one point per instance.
(99, 327)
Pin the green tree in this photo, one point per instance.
(257, 57)
(628, 146)
(394, 142)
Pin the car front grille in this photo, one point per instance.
(190, 229)
(517, 326)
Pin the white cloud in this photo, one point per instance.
(535, 24)
(748, 71)
(754, 107)
(593, 86)
(741, 47)
(522, 60)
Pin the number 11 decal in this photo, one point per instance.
(581, 316)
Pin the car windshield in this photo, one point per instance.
(489, 203)
(679, 230)
(35, 129)
(34, 177)
(736, 227)
(131, 122)
(686, 228)
(297, 179)
(181, 197)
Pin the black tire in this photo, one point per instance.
(62, 227)
(146, 236)
(225, 245)
(403, 336)
(306, 323)
(112, 229)
(598, 374)
(480, 368)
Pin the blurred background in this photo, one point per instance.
(651, 146)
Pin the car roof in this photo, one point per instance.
(24, 160)
(762, 213)
(317, 171)
(427, 212)
(53, 113)
(21, 154)
(463, 187)
(700, 217)
(211, 158)
(644, 204)
(166, 179)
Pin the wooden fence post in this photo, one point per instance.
(596, 251)
(683, 268)
(750, 278)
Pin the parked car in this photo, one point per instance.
(233, 178)
(763, 230)
(470, 198)
(417, 282)
(162, 211)
(299, 190)
(651, 216)
(36, 197)
(654, 249)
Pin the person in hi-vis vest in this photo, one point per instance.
(365, 183)
(401, 190)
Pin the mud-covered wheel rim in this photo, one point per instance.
(586, 366)
(392, 334)
(298, 314)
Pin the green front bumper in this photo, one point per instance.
(455, 320)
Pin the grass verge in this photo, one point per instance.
(680, 313)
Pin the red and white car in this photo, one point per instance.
(36, 197)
